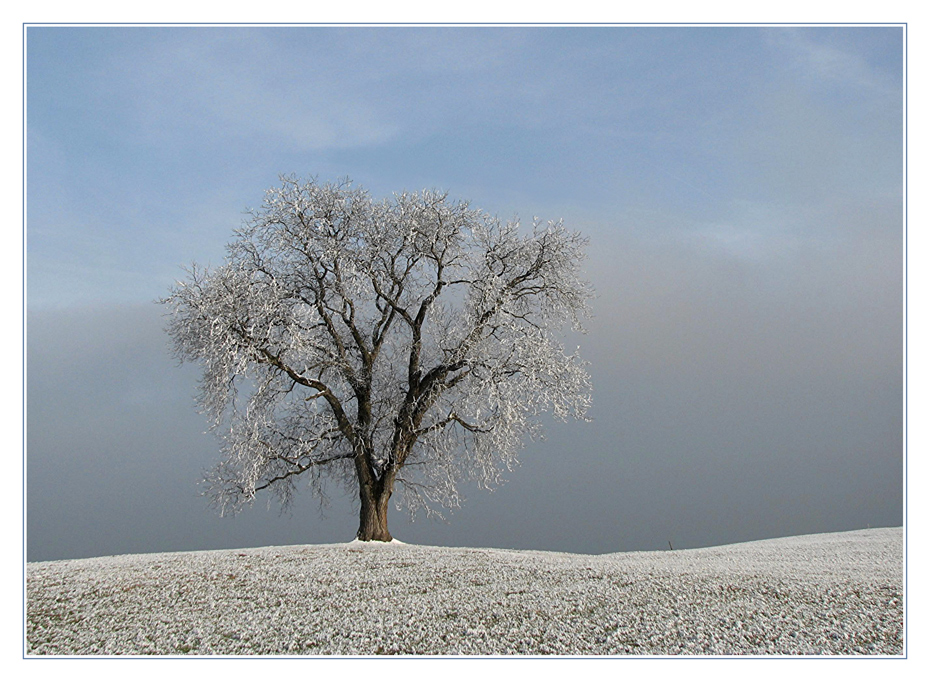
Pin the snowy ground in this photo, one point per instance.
(838, 593)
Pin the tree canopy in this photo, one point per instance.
(413, 340)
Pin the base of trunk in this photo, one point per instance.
(381, 536)
(388, 539)
(373, 519)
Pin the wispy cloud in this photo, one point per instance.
(242, 87)
(818, 54)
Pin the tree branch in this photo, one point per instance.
(301, 469)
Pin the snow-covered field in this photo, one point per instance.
(837, 593)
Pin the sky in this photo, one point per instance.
(741, 187)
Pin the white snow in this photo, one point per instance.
(835, 594)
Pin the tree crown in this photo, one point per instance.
(413, 338)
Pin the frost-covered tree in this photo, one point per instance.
(413, 340)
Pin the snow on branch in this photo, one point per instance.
(369, 336)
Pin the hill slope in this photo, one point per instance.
(837, 593)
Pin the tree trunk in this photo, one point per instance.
(374, 499)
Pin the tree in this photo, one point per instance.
(412, 340)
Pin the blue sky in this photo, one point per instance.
(741, 188)
(145, 143)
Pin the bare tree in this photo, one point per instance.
(413, 340)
